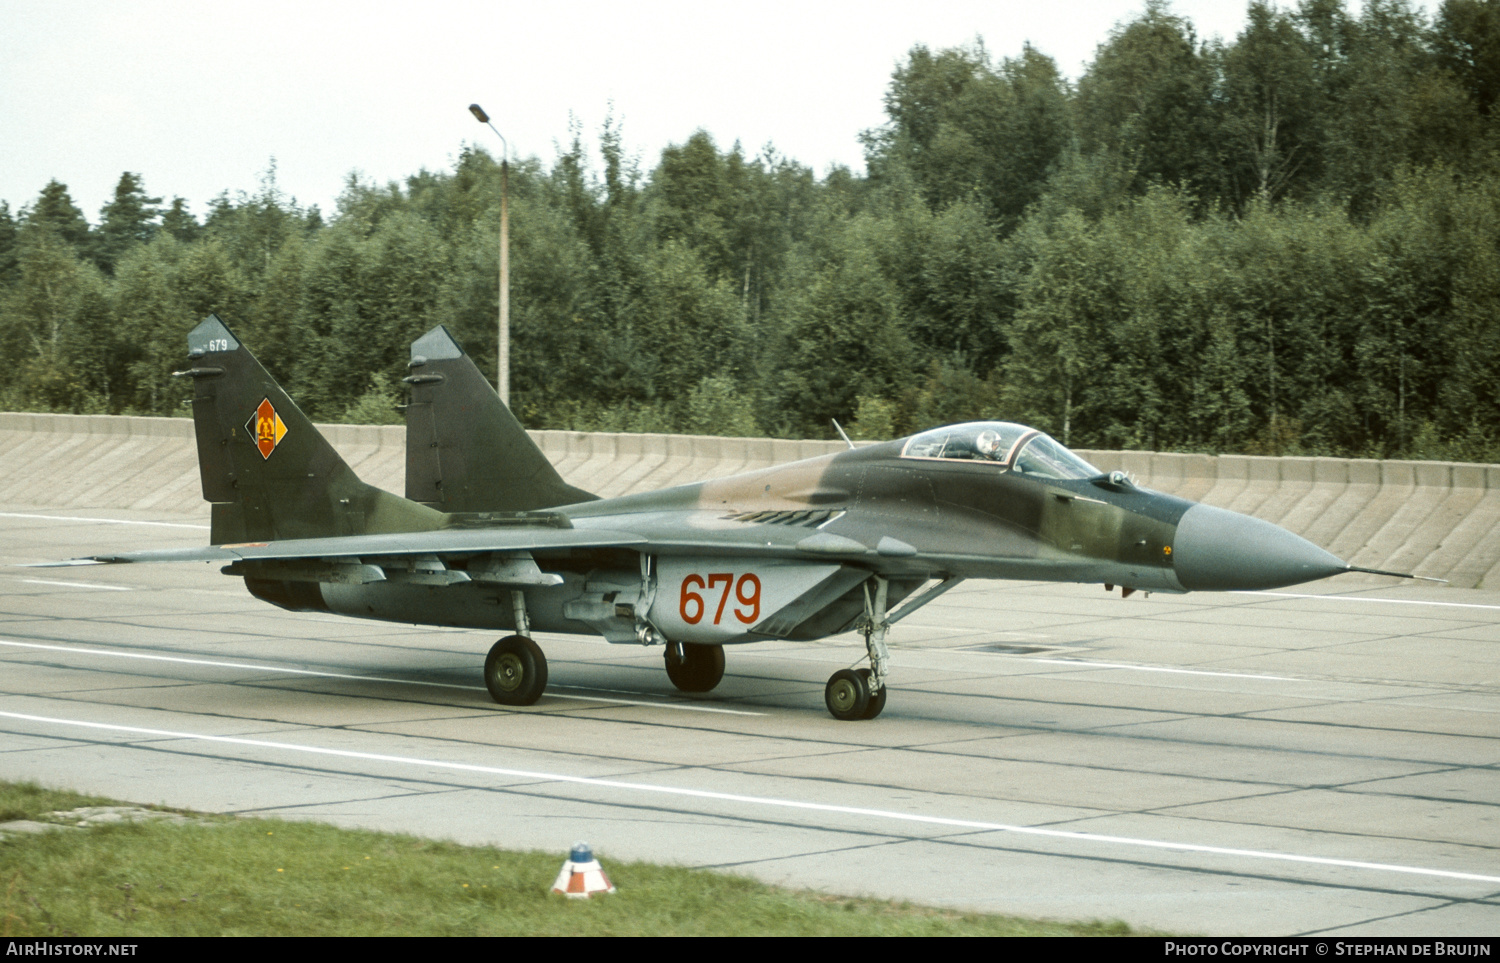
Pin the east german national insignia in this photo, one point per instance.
(266, 427)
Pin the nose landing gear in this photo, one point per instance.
(860, 693)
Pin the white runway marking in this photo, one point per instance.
(795, 804)
(84, 585)
(684, 707)
(1161, 668)
(643, 702)
(1358, 598)
(103, 521)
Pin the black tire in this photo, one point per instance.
(699, 669)
(847, 695)
(515, 671)
(877, 698)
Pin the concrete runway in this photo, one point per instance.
(1320, 760)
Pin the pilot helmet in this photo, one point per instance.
(987, 443)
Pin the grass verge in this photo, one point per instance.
(224, 876)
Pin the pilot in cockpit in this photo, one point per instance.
(987, 443)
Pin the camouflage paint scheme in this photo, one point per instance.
(489, 535)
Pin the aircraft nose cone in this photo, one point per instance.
(1218, 550)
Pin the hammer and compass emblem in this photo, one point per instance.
(266, 427)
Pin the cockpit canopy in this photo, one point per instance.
(1010, 446)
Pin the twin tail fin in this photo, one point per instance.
(465, 451)
(267, 471)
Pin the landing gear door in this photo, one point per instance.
(719, 600)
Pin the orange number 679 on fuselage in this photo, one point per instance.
(692, 607)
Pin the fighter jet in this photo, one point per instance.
(489, 536)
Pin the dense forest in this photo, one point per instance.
(1287, 242)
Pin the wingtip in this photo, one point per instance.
(69, 563)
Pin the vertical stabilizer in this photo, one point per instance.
(268, 472)
(465, 451)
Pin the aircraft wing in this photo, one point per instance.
(683, 534)
(676, 539)
(439, 542)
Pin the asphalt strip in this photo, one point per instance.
(793, 804)
(286, 670)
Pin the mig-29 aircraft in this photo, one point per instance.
(489, 536)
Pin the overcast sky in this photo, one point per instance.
(198, 96)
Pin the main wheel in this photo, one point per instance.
(847, 695)
(877, 698)
(515, 671)
(698, 669)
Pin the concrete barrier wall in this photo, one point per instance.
(1440, 519)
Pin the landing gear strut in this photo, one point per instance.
(515, 671)
(860, 693)
(694, 668)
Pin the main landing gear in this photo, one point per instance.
(515, 671)
(860, 693)
(694, 668)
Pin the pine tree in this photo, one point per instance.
(179, 223)
(10, 266)
(55, 212)
(126, 220)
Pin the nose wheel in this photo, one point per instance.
(849, 696)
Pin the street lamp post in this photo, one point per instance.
(502, 361)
